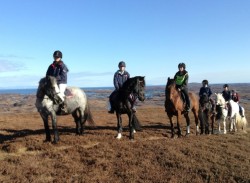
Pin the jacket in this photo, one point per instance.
(59, 71)
(120, 78)
(226, 95)
(206, 90)
(181, 79)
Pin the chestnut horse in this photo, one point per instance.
(174, 106)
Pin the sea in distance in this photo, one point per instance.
(150, 92)
(91, 92)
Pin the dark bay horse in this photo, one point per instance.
(47, 103)
(121, 104)
(174, 106)
(206, 115)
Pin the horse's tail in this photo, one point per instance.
(241, 122)
(136, 123)
(88, 115)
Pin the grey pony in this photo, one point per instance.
(47, 104)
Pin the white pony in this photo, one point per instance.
(235, 119)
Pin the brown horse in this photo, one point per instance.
(174, 106)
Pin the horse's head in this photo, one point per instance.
(204, 99)
(135, 85)
(220, 99)
(48, 86)
(170, 90)
(140, 87)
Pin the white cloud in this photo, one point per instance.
(10, 66)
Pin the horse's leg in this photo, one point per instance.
(212, 118)
(224, 124)
(219, 126)
(77, 121)
(196, 118)
(172, 125)
(234, 123)
(178, 123)
(46, 126)
(188, 123)
(201, 117)
(81, 120)
(207, 123)
(54, 126)
(119, 125)
(131, 130)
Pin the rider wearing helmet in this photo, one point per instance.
(59, 70)
(206, 90)
(181, 80)
(120, 77)
(226, 93)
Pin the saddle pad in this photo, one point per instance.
(68, 93)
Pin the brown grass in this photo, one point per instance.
(98, 157)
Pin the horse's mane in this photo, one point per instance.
(129, 84)
(42, 80)
(170, 82)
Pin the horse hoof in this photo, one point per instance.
(119, 136)
(47, 140)
(131, 139)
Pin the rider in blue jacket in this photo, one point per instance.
(59, 70)
(119, 79)
(205, 89)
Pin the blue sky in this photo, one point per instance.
(152, 36)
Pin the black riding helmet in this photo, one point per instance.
(225, 85)
(122, 64)
(182, 65)
(57, 54)
(205, 82)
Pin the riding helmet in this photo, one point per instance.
(205, 82)
(122, 64)
(57, 54)
(182, 65)
(225, 85)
